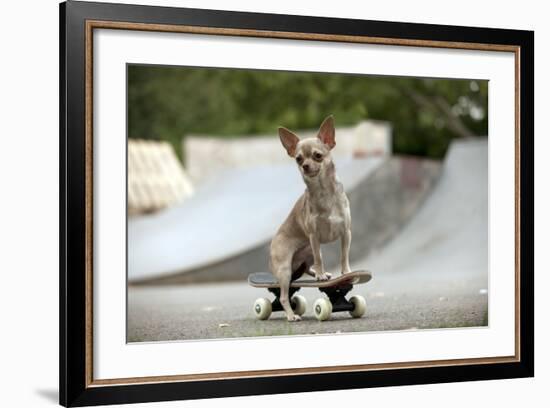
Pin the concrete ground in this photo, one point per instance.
(162, 313)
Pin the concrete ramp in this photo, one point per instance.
(231, 214)
(448, 237)
(223, 232)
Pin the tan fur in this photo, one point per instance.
(320, 215)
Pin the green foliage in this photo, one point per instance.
(168, 103)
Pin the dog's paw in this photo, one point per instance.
(294, 318)
(319, 274)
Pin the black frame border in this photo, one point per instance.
(72, 176)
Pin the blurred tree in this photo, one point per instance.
(170, 102)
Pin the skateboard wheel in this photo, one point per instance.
(322, 309)
(262, 308)
(360, 306)
(300, 304)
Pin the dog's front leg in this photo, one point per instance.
(345, 242)
(317, 267)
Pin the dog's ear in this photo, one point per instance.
(289, 140)
(327, 133)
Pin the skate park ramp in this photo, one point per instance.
(447, 240)
(231, 214)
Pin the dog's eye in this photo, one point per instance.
(317, 156)
(299, 159)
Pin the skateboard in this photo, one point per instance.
(336, 290)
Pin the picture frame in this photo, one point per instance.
(79, 21)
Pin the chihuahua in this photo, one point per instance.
(320, 215)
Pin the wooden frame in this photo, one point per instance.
(77, 22)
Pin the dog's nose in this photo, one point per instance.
(306, 167)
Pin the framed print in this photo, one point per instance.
(256, 204)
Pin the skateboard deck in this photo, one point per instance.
(267, 280)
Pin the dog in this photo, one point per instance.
(321, 215)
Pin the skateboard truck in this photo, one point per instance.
(263, 307)
(337, 296)
(276, 304)
(337, 302)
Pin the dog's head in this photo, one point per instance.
(311, 154)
